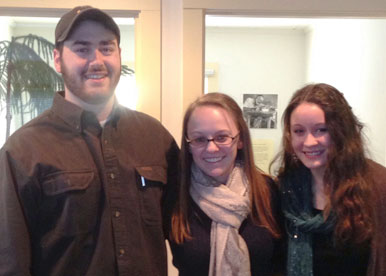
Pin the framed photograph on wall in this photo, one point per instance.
(260, 110)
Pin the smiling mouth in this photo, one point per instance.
(95, 76)
(313, 153)
(213, 160)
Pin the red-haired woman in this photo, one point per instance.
(333, 197)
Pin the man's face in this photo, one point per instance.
(90, 62)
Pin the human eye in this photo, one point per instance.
(107, 47)
(199, 141)
(298, 131)
(82, 50)
(107, 50)
(321, 131)
(221, 139)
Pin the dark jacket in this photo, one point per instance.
(266, 253)
(377, 266)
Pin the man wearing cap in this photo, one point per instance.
(83, 187)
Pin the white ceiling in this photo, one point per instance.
(293, 23)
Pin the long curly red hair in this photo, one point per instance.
(347, 184)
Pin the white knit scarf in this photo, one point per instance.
(227, 205)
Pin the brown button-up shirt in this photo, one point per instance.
(78, 199)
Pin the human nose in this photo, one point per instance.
(97, 57)
(310, 140)
(211, 146)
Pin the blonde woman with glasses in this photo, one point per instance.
(226, 219)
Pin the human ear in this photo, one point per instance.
(239, 144)
(57, 60)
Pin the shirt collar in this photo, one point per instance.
(77, 117)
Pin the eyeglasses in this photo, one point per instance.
(220, 140)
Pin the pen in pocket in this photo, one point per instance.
(143, 181)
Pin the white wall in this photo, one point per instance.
(258, 61)
(350, 55)
(4, 35)
(373, 111)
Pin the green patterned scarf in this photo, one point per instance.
(296, 192)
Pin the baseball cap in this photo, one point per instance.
(79, 14)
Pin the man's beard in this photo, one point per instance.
(77, 87)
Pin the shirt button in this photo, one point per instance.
(117, 214)
(121, 252)
(112, 176)
(105, 141)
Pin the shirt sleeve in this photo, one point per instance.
(377, 264)
(15, 248)
(279, 254)
(171, 190)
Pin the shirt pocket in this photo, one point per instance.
(151, 181)
(71, 202)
